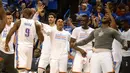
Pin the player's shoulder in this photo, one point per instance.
(97, 29)
(22, 18)
(77, 28)
(91, 29)
(129, 30)
(112, 29)
(64, 31)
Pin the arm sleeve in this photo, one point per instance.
(118, 37)
(47, 29)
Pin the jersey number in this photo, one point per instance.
(27, 32)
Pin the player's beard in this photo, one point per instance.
(104, 21)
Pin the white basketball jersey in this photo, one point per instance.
(79, 34)
(3, 38)
(26, 32)
(126, 36)
(59, 43)
(47, 43)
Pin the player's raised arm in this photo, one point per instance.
(2, 17)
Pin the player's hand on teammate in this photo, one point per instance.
(83, 53)
(7, 48)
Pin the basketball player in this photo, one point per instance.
(27, 29)
(101, 60)
(8, 62)
(116, 46)
(125, 64)
(80, 33)
(46, 46)
(59, 48)
(2, 17)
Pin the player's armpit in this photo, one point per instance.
(39, 32)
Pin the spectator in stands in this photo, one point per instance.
(111, 7)
(83, 10)
(123, 13)
(23, 6)
(41, 13)
(69, 25)
(31, 4)
(98, 15)
(16, 16)
(127, 9)
(98, 3)
(88, 6)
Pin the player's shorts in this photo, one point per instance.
(44, 60)
(59, 65)
(101, 62)
(25, 53)
(45, 56)
(81, 63)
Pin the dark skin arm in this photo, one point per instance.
(2, 17)
(39, 34)
(11, 32)
(128, 42)
(72, 41)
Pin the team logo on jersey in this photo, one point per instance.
(28, 24)
(60, 36)
(100, 33)
(83, 35)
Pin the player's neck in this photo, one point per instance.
(59, 29)
(8, 24)
(53, 24)
(105, 25)
(126, 29)
(85, 27)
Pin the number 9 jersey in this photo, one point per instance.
(26, 32)
(26, 35)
